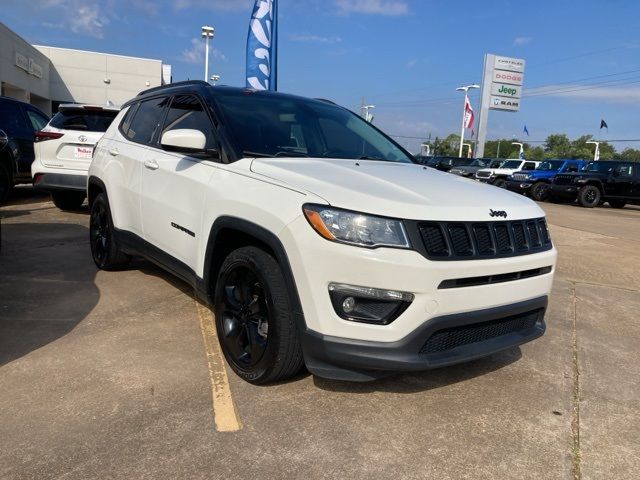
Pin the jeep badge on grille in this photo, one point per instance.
(498, 213)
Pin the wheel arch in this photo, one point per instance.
(229, 233)
(95, 186)
(597, 184)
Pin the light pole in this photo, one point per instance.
(364, 112)
(207, 33)
(464, 111)
(426, 148)
(215, 78)
(596, 155)
(521, 156)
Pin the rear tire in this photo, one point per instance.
(68, 200)
(589, 196)
(617, 203)
(6, 182)
(104, 248)
(258, 333)
(538, 191)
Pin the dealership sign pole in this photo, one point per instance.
(502, 80)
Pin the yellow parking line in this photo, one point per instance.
(224, 411)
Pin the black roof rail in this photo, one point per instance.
(176, 84)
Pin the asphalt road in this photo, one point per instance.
(106, 375)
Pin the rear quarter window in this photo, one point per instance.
(83, 120)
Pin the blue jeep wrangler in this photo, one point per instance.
(534, 183)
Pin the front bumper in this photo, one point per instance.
(518, 187)
(57, 181)
(439, 342)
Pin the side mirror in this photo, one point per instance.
(4, 139)
(187, 141)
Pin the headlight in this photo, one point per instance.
(356, 228)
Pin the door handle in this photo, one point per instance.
(151, 164)
(114, 152)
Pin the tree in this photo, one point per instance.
(557, 146)
(630, 155)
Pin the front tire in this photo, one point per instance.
(104, 249)
(538, 191)
(68, 200)
(258, 333)
(589, 196)
(500, 183)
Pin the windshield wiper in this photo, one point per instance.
(364, 157)
(284, 153)
(256, 154)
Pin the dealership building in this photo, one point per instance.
(48, 76)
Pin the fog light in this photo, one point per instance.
(368, 305)
(348, 305)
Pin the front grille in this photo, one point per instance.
(519, 177)
(450, 338)
(481, 174)
(564, 179)
(471, 240)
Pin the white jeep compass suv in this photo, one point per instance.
(314, 237)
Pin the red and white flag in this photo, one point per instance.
(468, 114)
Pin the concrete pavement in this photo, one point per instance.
(104, 375)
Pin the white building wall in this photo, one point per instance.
(90, 77)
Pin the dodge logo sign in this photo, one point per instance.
(498, 213)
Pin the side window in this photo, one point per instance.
(126, 121)
(529, 166)
(186, 112)
(146, 121)
(625, 170)
(38, 122)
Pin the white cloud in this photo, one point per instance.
(314, 39)
(412, 63)
(195, 54)
(373, 7)
(520, 41)
(606, 94)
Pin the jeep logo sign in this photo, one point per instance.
(498, 213)
(504, 90)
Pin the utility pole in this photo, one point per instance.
(207, 33)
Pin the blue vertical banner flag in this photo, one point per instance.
(262, 46)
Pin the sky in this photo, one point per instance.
(406, 57)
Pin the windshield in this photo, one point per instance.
(512, 164)
(85, 120)
(478, 163)
(550, 165)
(495, 163)
(601, 167)
(282, 126)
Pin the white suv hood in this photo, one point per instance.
(500, 171)
(395, 189)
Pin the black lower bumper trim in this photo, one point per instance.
(518, 187)
(60, 181)
(348, 359)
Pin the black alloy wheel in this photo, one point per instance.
(589, 196)
(500, 183)
(245, 316)
(104, 249)
(538, 191)
(255, 322)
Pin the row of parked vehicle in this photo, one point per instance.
(53, 153)
(591, 183)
